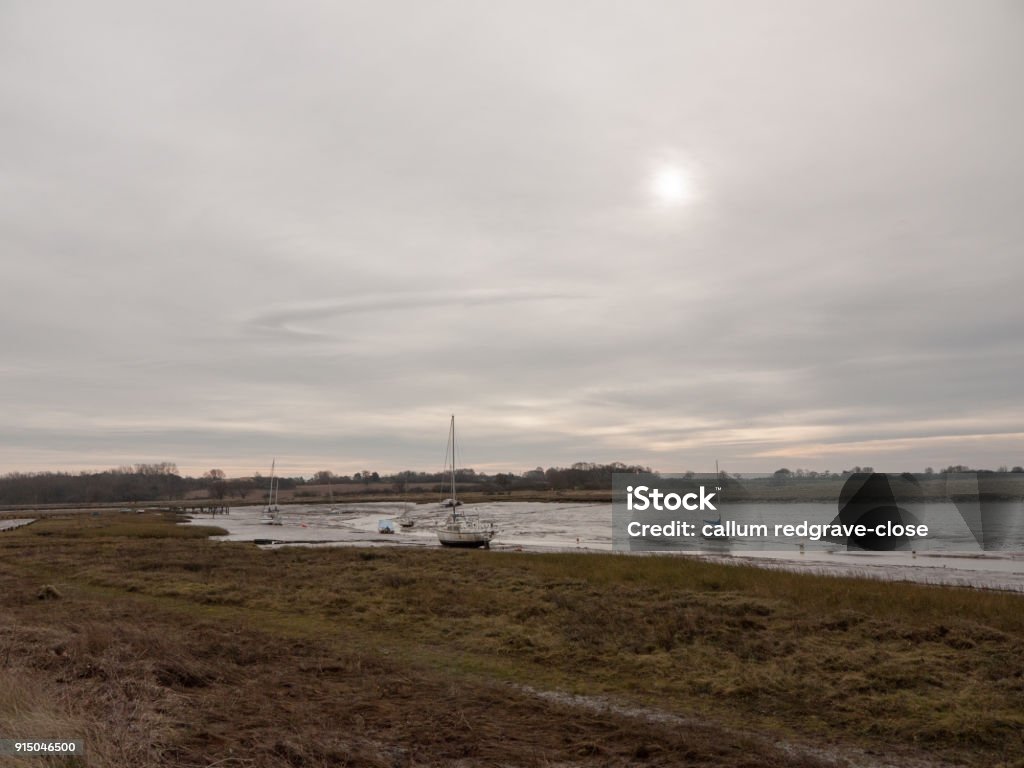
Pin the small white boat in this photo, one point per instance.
(460, 529)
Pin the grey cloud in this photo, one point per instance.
(282, 320)
(332, 225)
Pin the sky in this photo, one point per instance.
(665, 233)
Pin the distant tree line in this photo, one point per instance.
(140, 482)
(161, 482)
(785, 474)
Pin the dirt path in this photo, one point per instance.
(831, 755)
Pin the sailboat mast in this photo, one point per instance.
(453, 460)
(270, 495)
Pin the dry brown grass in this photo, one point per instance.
(170, 650)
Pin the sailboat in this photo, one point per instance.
(272, 512)
(458, 528)
(405, 521)
(330, 493)
(715, 524)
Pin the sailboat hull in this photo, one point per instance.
(466, 539)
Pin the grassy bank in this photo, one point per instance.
(160, 647)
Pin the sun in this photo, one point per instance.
(670, 186)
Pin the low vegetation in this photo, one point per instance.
(159, 647)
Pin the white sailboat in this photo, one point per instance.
(405, 521)
(272, 512)
(458, 528)
(330, 493)
(717, 532)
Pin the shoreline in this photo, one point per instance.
(539, 527)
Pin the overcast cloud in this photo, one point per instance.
(239, 230)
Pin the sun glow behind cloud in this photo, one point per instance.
(671, 186)
(671, 182)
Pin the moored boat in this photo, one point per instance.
(460, 529)
(272, 512)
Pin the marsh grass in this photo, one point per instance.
(110, 525)
(209, 649)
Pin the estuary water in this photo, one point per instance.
(952, 557)
(948, 529)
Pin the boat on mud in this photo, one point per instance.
(460, 529)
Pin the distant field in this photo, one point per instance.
(159, 647)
